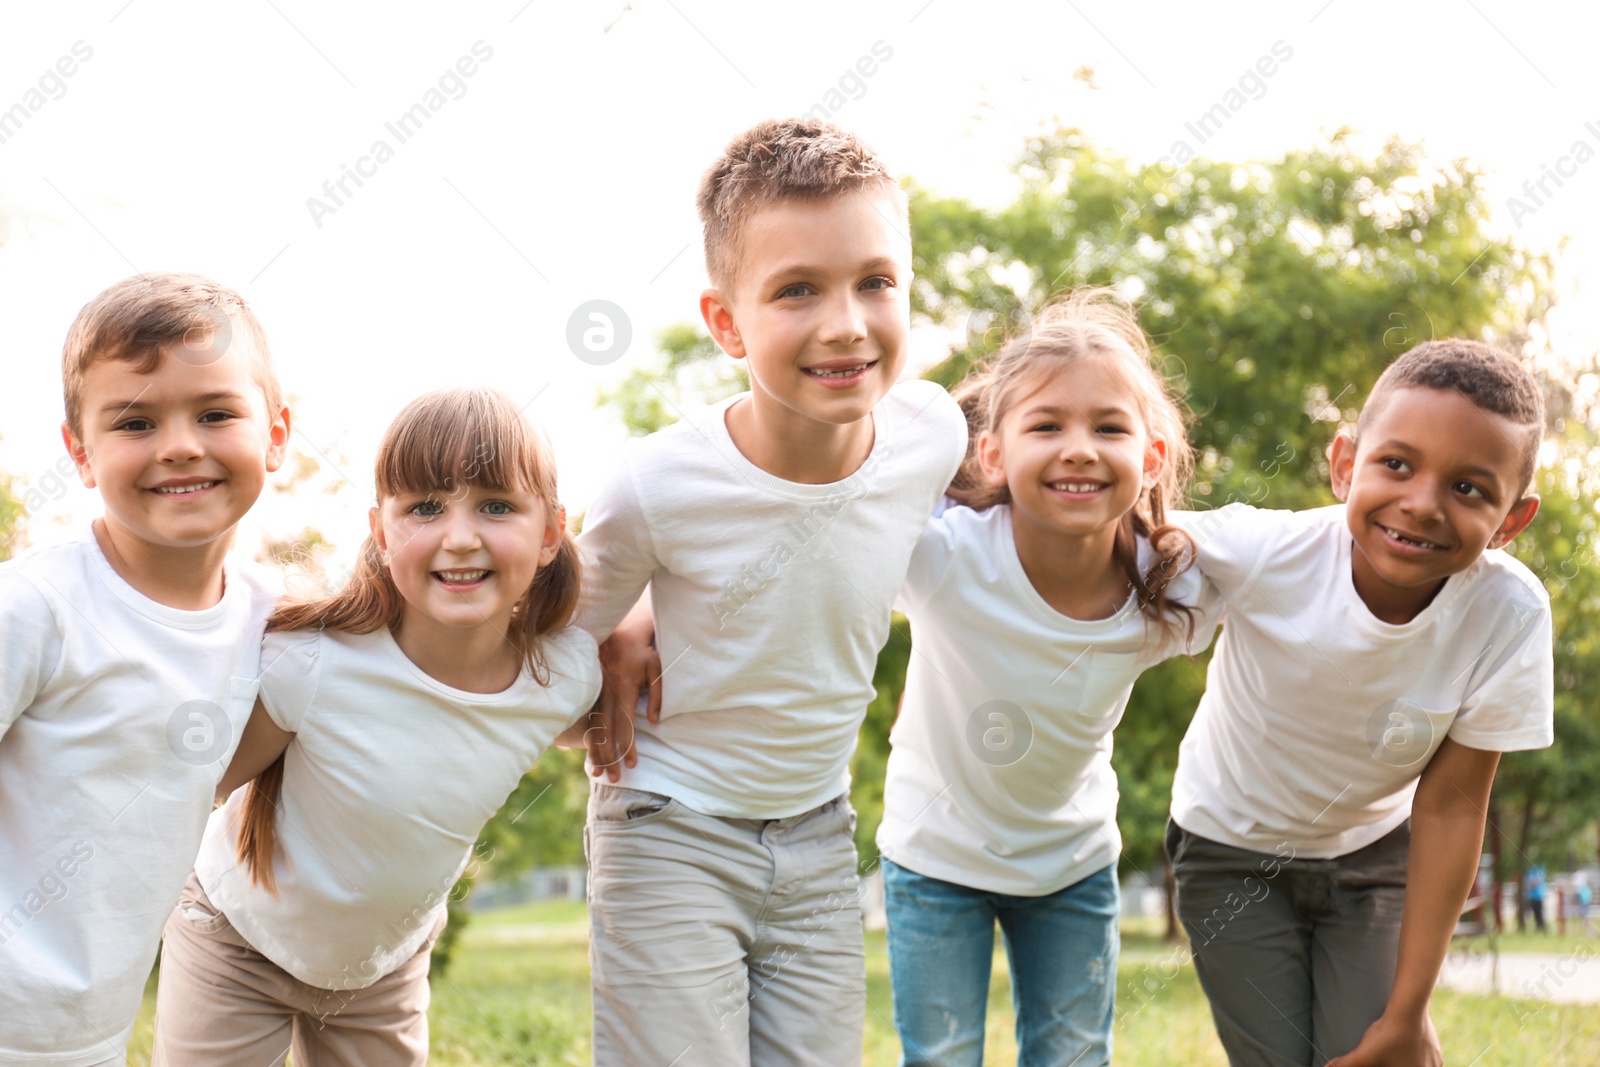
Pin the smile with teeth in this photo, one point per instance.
(461, 577)
(1075, 487)
(1404, 540)
(179, 490)
(846, 372)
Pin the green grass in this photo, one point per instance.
(1552, 943)
(518, 994)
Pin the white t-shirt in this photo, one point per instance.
(389, 779)
(118, 716)
(1318, 717)
(1000, 777)
(771, 599)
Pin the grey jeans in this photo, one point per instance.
(1297, 956)
(723, 942)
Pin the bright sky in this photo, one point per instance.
(189, 136)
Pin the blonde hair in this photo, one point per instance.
(1093, 323)
(442, 442)
(134, 318)
(775, 160)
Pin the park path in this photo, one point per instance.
(1570, 979)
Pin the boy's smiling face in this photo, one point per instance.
(1434, 481)
(820, 309)
(179, 454)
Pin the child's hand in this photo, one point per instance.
(630, 666)
(1392, 1043)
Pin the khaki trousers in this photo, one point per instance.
(220, 1003)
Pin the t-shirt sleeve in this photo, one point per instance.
(1230, 542)
(1202, 595)
(575, 671)
(930, 562)
(31, 649)
(291, 663)
(1512, 706)
(618, 557)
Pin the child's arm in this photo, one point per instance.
(262, 743)
(1447, 817)
(630, 665)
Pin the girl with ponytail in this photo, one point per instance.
(394, 719)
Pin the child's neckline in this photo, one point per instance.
(715, 430)
(1012, 561)
(387, 638)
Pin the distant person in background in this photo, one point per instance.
(1583, 898)
(1536, 896)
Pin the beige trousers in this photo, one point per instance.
(220, 1003)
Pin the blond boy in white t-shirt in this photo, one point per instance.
(128, 665)
(774, 532)
(1378, 656)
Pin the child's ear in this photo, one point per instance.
(1155, 461)
(719, 320)
(278, 441)
(80, 455)
(1516, 520)
(1342, 464)
(375, 524)
(990, 459)
(553, 532)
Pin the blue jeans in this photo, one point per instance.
(1063, 954)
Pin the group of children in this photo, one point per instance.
(711, 639)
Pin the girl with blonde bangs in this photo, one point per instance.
(1048, 583)
(395, 716)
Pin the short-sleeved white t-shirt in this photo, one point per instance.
(1318, 717)
(388, 781)
(118, 716)
(1000, 777)
(772, 599)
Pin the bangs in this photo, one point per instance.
(447, 440)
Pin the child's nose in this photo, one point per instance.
(179, 443)
(1425, 501)
(1078, 445)
(844, 322)
(460, 530)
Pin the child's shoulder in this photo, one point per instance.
(917, 398)
(1498, 577)
(60, 573)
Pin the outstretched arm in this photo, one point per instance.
(263, 742)
(1447, 818)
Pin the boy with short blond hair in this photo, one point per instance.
(129, 662)
(1378, 657)
(774, 533)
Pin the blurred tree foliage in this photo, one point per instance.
(1276, 291)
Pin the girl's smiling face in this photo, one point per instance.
(463, 559)
(1073, 450)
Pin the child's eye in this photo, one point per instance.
(498, 507)
(1045, 427)
(1468, 489)
(878, 282)
(217, 416)
(791, 292)
(1111, 428)
(136, 425)
(425, 509)
(1395, 464)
